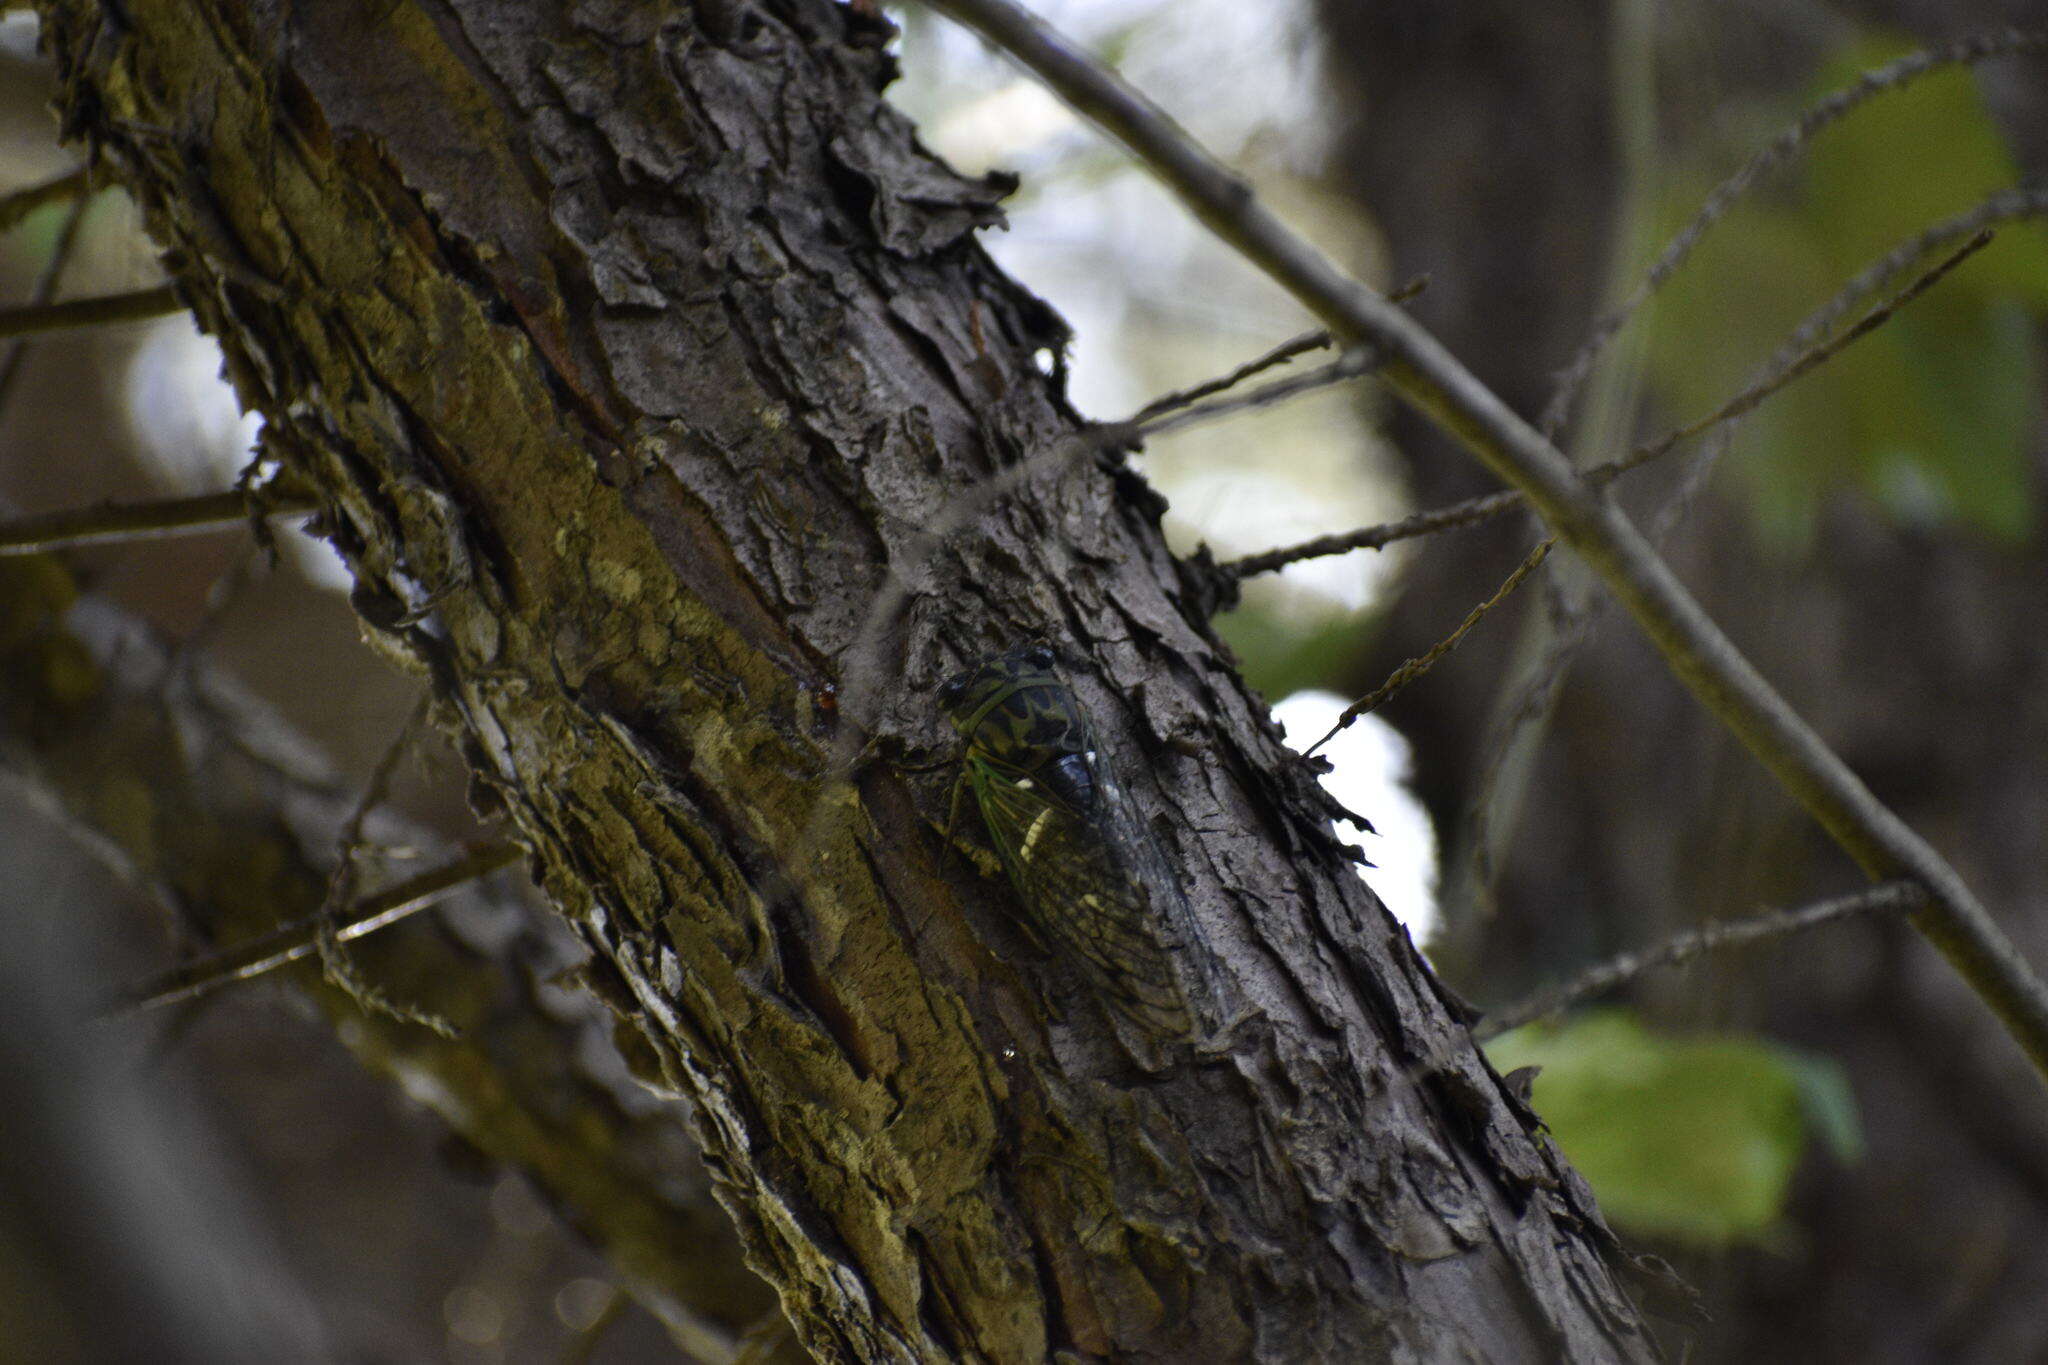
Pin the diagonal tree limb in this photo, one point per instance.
(1418, 367)
(1528, 697)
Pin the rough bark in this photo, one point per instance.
(635, 351)
(190, 791)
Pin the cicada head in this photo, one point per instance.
(1014, 709)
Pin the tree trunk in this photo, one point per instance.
(653, 384)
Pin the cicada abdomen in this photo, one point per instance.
(1060, 827)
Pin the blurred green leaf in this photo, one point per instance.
(1692, 1138)
(1930, 415)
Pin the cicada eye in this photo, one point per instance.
(950, 690)
(1039, 656)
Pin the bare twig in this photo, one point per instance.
(121, 522)
(1776, 375)
(1682, 948)
(2021, 202)
(341, 889)
(21, 203)
(1416, 667)
(1746, 402)
(136, 306)
(1534, 692)
(295, 942)
(1974, 224)
(2006, 206)
(1418, 367)
(1776, 152)
(1279, 355)
(1470, 512)
(1352, 364)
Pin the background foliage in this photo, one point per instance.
(1874, 535)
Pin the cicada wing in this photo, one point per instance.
(1170, 917)
(1066, 866)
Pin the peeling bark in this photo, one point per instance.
(635, 352)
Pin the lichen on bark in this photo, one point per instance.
(639, 354)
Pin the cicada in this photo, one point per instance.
(1096, 893)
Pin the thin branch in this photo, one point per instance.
(1534, 693)
(135, 306)
(1775, 375)
(1807, 346)
(1415, 668)
(116, 523)
(1515, 735)
(1779, 150)
(2007, 206)
(1469, 512)
(334, 962)
(1279, 355)
(1682, 948)
(1418, 367)
(296, 942)
(1746, 402)
(19, 204)
(1351, 365)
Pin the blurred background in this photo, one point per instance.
(1827, 1135)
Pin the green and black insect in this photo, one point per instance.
(1096, 892)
